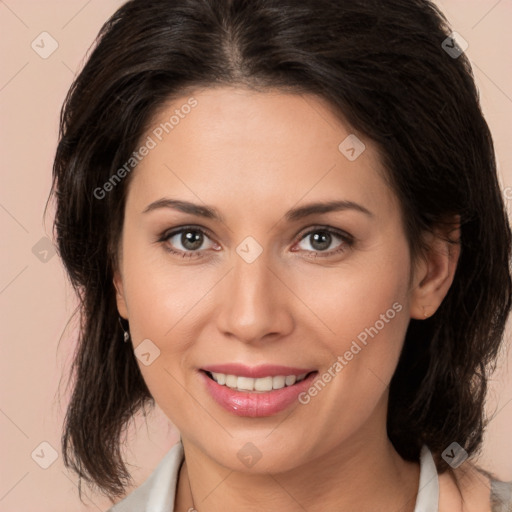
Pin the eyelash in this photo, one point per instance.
(347, 241)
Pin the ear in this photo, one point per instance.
(434, 271)
(120, 297)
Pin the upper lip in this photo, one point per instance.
(264, 370)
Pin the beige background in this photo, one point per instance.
(36, 303)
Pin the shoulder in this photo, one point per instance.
(471, 489)
(501, 492)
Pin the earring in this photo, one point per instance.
(126, 334)
(425, 314)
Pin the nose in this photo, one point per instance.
(255, 302)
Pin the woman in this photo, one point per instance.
(284, 224)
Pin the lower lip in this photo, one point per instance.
(255, 405)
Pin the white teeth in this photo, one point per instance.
(231, 381)
(262, 384)
(220, 378)
(245, 383)
(278, 382)
(290, 380)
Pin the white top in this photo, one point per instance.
(157, 493)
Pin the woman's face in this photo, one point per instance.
(266, 280)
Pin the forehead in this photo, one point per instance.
(269, 148)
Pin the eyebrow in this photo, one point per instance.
(294, 214)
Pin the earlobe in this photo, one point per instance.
(435, 272)
(120, 299)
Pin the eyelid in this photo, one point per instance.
(319, 227)
(168, 233)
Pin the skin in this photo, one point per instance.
(253, 156)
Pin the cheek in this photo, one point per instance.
(351, 297)
(367, 318)
(164, 300)
(160, 291)
(363, 310)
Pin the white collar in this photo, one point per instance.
(428, 489)
(157, 493)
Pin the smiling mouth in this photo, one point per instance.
(257, 385)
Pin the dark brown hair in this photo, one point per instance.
(382, 66)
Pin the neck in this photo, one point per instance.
(356, 476)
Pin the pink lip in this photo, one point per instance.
(252, 404)
(256, 372)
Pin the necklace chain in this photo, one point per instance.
(191, 496)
